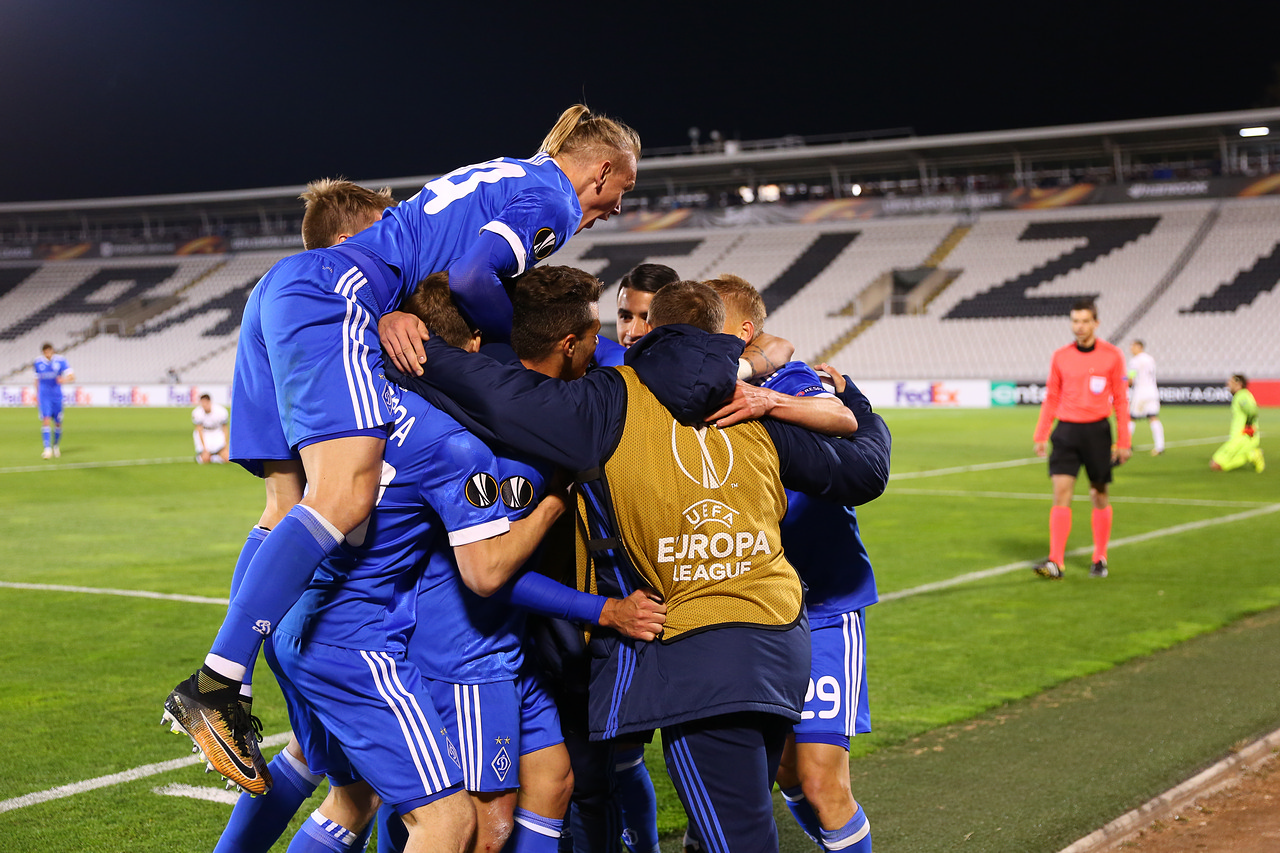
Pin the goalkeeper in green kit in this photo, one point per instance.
(1244, 442)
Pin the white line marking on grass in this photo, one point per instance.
(1015, 463)
(1045, 496)
(129, 593)
(1023, 565)
(110, 463)
(198, 792)
(133, 775)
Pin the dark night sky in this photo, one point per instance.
(135, 97)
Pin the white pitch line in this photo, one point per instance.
(111, 463)
(1023, 565)
(1045, 496)
(198, 792)
(133, 775)
(1015, 463)
(129, 593)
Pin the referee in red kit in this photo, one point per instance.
(1086, 383)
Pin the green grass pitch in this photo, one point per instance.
(963, 627)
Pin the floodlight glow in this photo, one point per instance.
(1255, 131)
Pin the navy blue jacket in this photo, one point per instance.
(577, 424)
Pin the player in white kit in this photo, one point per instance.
(210, 434)
(1144, 396)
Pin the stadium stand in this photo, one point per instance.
(1195, 279)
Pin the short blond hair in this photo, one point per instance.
(581, 134)
(740, 298)
(337, 206)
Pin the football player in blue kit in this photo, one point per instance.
(52, 372)
(729, 675)
(824, 544)
(311, 402)
(494, 708)
(358, 703)
(452, 610)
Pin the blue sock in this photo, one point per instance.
(258, 822)
(854, 836)
(318, 834)
(274, 579)
(57, 435)
(250, 547)
(803, 812)
(637, 800)
(44, 434)
(533, 833)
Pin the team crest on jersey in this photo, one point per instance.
(544, 243)
(501, 764)
(482, 490)
(389, 396)
(701, 465)
(517, 492)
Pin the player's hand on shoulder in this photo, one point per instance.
(402, 335)
(639, 616)
(748, 403)
(836, 377)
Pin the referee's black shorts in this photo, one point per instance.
(1082, 444)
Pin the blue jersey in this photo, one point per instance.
(530, 205)
(609, 353)
(439, 489)
(472, 639)
(821, 538)
(47, 372)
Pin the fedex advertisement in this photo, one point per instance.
(928, 393)
(186, 396)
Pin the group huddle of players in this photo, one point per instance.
(466, 644)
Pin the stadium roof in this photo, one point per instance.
(1211, 136)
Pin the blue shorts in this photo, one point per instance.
(308, 362)
(51, 405)
(321, 754)
(539, 717)
(835, 704)
(484, 721)
(365, 718)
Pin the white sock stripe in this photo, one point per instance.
(312, 519)
(427, 774)
(333, 829)
(842, 843)
(533, 826)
